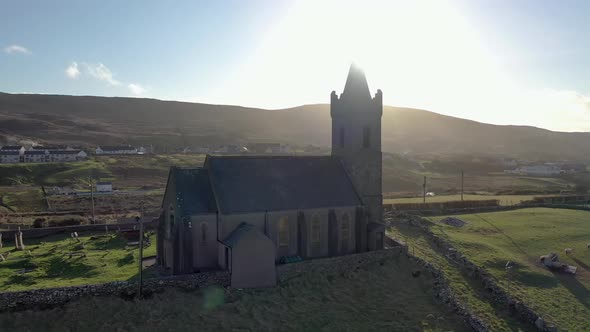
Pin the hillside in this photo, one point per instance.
(169, 124)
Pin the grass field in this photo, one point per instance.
(468, 291)
(521, 236)
(504, 199)
(107, 259)
(379, 298)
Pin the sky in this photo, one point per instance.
(524, 62)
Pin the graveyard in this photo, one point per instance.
(63, 260)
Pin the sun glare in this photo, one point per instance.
(422, 54)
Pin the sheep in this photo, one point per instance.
(509, 265)
(568, 251)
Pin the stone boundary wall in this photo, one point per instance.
(514, 305)
(440, 212)
(52, 297)
(35, 233)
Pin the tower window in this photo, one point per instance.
(170, 228)
(366, 137)
(341, 137)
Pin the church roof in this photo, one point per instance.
(237, 234)
(356, 84)
(270, 183)
(193, 190)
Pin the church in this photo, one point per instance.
(247, 213)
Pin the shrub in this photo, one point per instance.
(39, 223)
(68, 220)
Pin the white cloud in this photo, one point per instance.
(102, 72)
(72, 71)
(136, 89)
(16, 49)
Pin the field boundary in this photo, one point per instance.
(444, 212)
(35, 233)
(515, 306)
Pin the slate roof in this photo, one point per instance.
(35, 152)
(50, 147)
(117, 148)
(9, 153)
(270, 183)
(236, 235)
(193, 190)
(11, 147)
(63, 152)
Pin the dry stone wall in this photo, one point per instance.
(51, 297)
(497, 293)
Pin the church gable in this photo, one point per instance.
(190, 190)
(245, 184)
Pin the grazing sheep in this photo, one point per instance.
(568, 251)
(509, 265)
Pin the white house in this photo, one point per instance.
(20, 149)
(63, 155)
(124, 149)
(104, 187)
(36, 156)
(9, 157)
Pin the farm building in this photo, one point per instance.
(246, 213)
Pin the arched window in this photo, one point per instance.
(367, 137)
(316, 229)
(284, 232)
(171, 222)
(204, 227)
(345, 232)
(341, 137)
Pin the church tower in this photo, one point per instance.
(356, 138)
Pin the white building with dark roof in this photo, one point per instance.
(19, 148)
(9, 157)
(36, 156)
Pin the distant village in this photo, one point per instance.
(11, 154)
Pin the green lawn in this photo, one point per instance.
(504, 199)
(521, 236)
(381, 297)
(107, 259)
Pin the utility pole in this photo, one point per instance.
(462, 181)
(141, 252)
(92, 200)
(424, 191)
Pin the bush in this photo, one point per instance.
(68, 220)
(39, 223)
